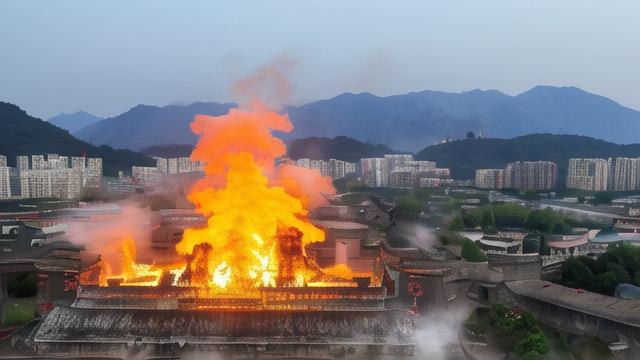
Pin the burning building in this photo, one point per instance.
(253, 276)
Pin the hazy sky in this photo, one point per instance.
(107, 56)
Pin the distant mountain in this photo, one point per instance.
(74, 122)
(21, 134)
(403, 122)
(412, 121)
(168, 151)
(145, 125)
(341, 148)
(463, 157)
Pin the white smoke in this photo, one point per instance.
(417, 234)
(437, 333)
(104, 233)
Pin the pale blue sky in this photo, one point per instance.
(107, 56)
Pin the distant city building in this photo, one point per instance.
(93, 173)
(49, 177)
(162, 165)
(77, 162)
(5, 182)
(492, 179)
(588, 174)
(150, 176)
(374, 172)
(145, 175)
(37, 162)
(402, 171)
(531, 175)
(335, 169)
(3, 160)
(22, 162)
(172, 166)
(623, 173)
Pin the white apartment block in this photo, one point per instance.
(374, 172)
(93, 173)
(5, 181)
(162, 165)
(172, 166)
(22, 162)
(335, 169)
(145, 175)
(53, 177)
(402, 171)
(588, 174)
(624, 174)
(531, 175)
(492, 179)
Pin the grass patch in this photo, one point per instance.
(18, 311)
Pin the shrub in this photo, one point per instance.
(456, 223)
(471, 252)
(576, 274)
(533, 346)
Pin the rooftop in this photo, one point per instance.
(612, 308)
(340, 225)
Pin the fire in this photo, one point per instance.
(257, 227)
(132, 273)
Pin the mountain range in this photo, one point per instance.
(341, 148)
(402, 122)
(146, 125)
(74, 122)
(22, 134)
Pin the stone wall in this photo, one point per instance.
(96, 331)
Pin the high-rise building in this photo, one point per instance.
(5, 182)
(531, 175)
(624, 174)
(172, 166)
(335, 169)
(22, 162)
(185, 165)
(395, 161)
(78, 162)
(3, 160)
(588, 174)
(93, 173)
(490, 179)
(400, 170)
(374, 172)
(162, 165)
(36, 183)
(145, 175)
(63, 162)
(37, 162)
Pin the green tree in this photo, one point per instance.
(576, 274)
(509, 215)
(408, 208)
(457, 224)
(472, 218)
(621, 273)
(531, 245)
(606, 282)
(471, 251)
(488, 220)
(545, 221)
(533, 346)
